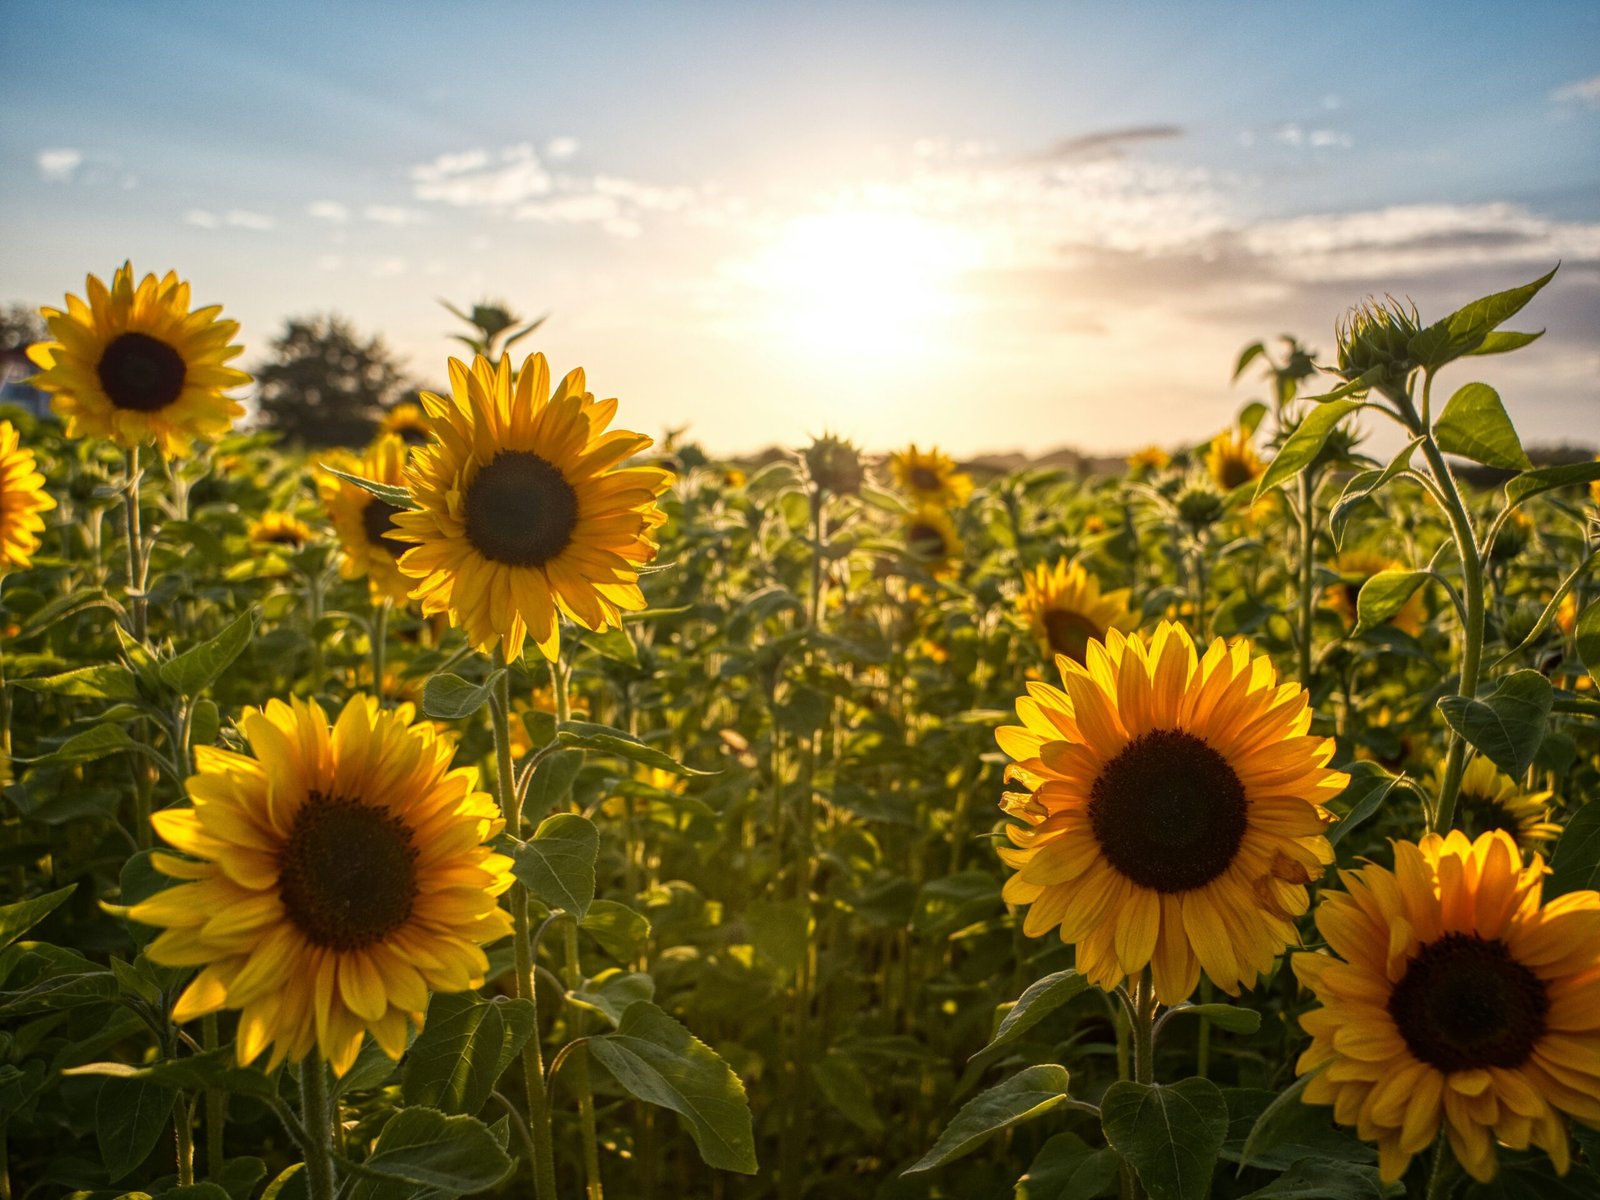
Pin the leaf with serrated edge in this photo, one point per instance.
(398, 496)
(1475, 425)
(1039, 1000)
(1506, 725)
(1026, 1095)
(1171, 1133)
(557, 863)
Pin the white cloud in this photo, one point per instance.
(561, 147)
(447, 165)
(202, 219)
(59, 165)
(467, 181)
(244, 219)
(1585, 92)
(327, 210)
(392, 214)
(388, 268)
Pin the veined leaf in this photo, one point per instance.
(1305, 443)
(557, 863)
(422, 1148)
(1038, 1000)
(1575, 866)
(1026, 1095)
(1362, 487)
(450, 697)
(16, 919)
(1507, 725)
(398, 496)
(196, 669)
(1384, 595)
(1543, 479)
(1171, 1133)
(1474, 425)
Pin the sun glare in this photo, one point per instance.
(870, 283)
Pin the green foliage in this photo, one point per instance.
(1508, 724)
(1170, 1133)
(1026, 1095)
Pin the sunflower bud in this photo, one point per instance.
(834, 465)
(1378, 336)
(1200, 506)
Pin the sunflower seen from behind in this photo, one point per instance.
(22, 499)
(1172, 810)
(525, 513)
(366, 523)
(1454, 996)
(135, 365)
(1066, 609)
(332, 878)
(931, 477)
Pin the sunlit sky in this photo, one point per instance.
(995, 226)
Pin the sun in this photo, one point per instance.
(873, 284)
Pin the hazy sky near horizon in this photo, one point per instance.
(992, 226)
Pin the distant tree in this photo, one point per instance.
(21, 326)
(326, 384)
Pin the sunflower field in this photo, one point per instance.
(509, 808)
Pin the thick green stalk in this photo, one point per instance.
(138, 562)
(579, 1068)
(543, 1164)
(1144, 1025)
(380, 640)
(316, 1114)
(1307, 563)
(183, 1128)
(216, 1106)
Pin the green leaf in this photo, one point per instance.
(424, 1148)
(1026, 1095)
(450, 697)
(129, 1115)
(398, 496)
(1305, 443)
(196, 1191)
(557, 863)
(290, 1185)
(1575, 865)
(16, 919)
(1169, 1133)
(780, 931)
(1505, 341)
(552, 780)
(1327, 1179)
(1475, 320)
(1587, 635)
(620, 930)
(92, 744)
(1385, 594)
(1363, 486)
(1475, 425)
(1544, 479)
(1247, 356)
(196, 669)
(615, 644)
(1368, 788)
(106, 681)
(1067, 1168)
(611, 992)
(1508, 724)
(1361, 383)
(455, 1061)
(1041, 998)
(1232, 1017)
(1552, 609)
(657, 1060)
(1276, 1122)
(216, 1069)
(1251, 416)
(604, 739)
(841, 1080)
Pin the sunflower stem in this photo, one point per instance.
(1307, 563)
(542, 1161)
(1441, 1177)
(1144, 1023)
(592, 1187)
(138, 562)
(216, 1106)
(379, 637)
(316, 1114)
(183, 1129)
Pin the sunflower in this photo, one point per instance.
(22, 499)
(135, 365)
(931, 478)
(409, 423)
(1354, 568)
(1489, 800)
(336, 876)
(1232, 460)
(366, 525)
(1149, 460)
(525, 514)
(931, 537)
(1173, 812)
(274, 529)
(1455, 997)
(1066, 609)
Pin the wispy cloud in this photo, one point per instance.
(472, 180)
(238, 218)
(392, 214)
(1111, 143)
(328, 210)
(59, 165)
(1585, 92)
(560, 147)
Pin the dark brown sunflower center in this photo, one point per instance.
(141, 373)
(347, 874)
(412, 435)
(926, 540)
(1168, 811)
(1235, 471)
(1070, 632)
(377, 519)
(521, 510)
(282, 537)
(1465, 1003)
(925, 479)
(1479, 815)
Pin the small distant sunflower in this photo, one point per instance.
(1355, 567)
(931, 537)
(409, 423)
(280, 529)
(1455, 997)
(365, 523)
(1567, 614)
(336, 876)
(1173, 811)
(1232, 460)
(930, 478)
(135, 365)
(1489, 800)
(1149, 460)
(22, 499)
(525, 513)
(1067, 610)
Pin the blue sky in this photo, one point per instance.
(997, 226)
